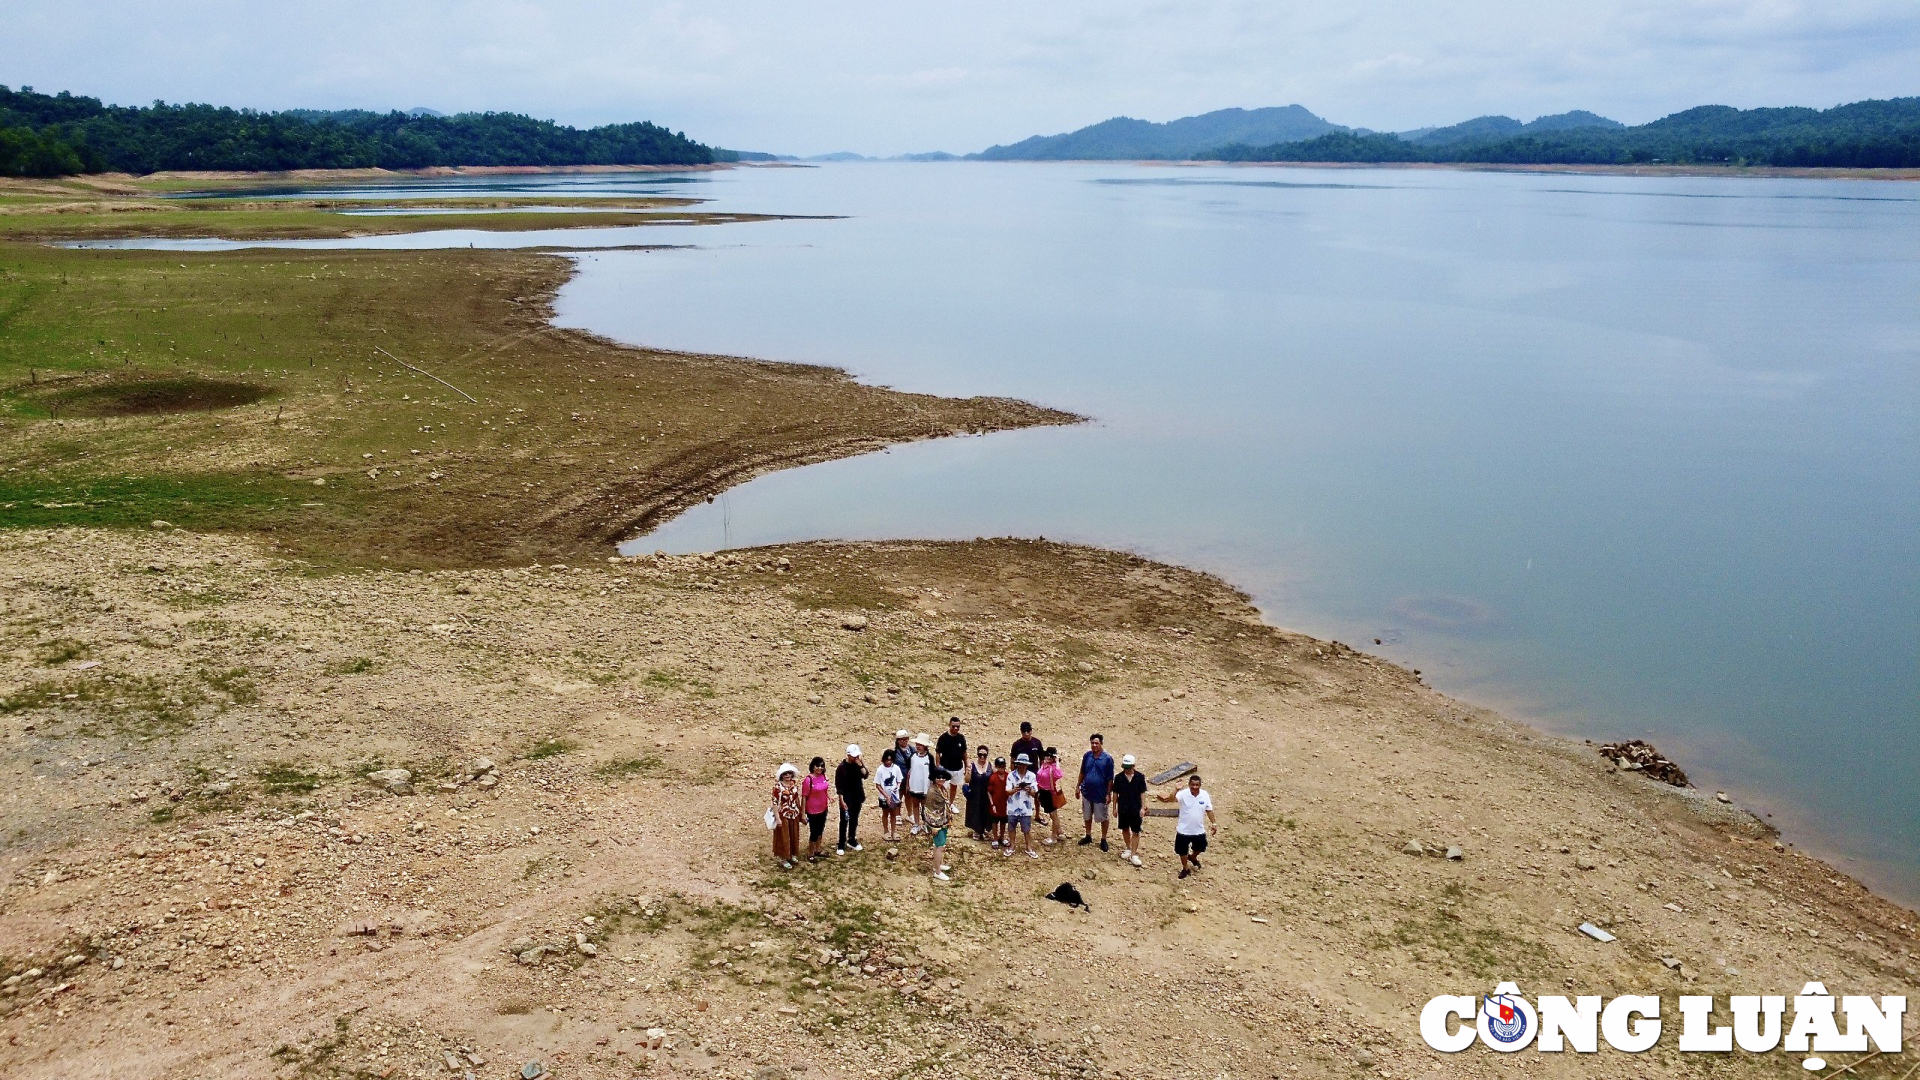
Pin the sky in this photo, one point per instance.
(898, 76)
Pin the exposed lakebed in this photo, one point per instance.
(1622, 456)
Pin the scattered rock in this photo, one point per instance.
(158, 524)
(1636, 755)
(220, 787)
(392, 781)
(1083, 668)
(854, 622)
(1363, 1056)
(1722, 796)
(479, 767)
(1413, 847)
(1456, 854)
(1670, 962)
(532, 1070)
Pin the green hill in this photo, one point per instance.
(50, 135)
(1865, 134)
(1126, 139)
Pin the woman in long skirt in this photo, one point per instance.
(979, 816)
(787, 814)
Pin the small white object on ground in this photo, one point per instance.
(1595, 932)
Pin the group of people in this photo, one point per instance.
(921, 785)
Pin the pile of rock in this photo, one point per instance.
(1636, 755)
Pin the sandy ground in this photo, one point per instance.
(198, 879)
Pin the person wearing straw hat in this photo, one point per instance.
(785, 814)
(850, 784)
(919, 777)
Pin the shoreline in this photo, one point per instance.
(1728, 171)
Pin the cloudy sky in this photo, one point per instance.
(908, 75)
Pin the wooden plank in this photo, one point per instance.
(1174, 773)
(1163, 811)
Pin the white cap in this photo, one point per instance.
(1022, 759)
(1126, 759)
(853, 749)
(902, 733)
(785, 768)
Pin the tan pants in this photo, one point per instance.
(786, 840)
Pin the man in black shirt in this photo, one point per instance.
(1029, 745)
(850, 783)
(950, 750)
(1129, 795)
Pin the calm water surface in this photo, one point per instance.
(1620, 456)
(1623, 456)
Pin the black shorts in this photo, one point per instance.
(1129, 821)
(1184, 844)
(1046, 801)
(816, 826)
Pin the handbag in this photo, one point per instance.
(773, 819)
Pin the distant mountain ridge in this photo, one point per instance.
(1124, 138)
(1863, 135)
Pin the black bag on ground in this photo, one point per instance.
(1066, 894)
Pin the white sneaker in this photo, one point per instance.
(839, 851)
(857, 847)
(1033, 854)
(1126, 854)
(944, 868)
(1007, 851)
(941, 877)
(1135, 860)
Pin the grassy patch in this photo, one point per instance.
(354, 665)
(194, 501)
(1477, 945)
(286, 778)
(623, 768)
(59, 651)
(547, 748)
(669, 679)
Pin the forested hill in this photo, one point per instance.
(1866, 134)
(1126, 139)
(52, 135)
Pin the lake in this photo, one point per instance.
(1619, 456)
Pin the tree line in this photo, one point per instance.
(62, 134)
(1863, 135)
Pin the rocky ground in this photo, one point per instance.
(199, 878)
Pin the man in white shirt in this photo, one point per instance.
(1195, 825)
(1023, 790)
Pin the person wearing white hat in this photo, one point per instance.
(850, 784)
(1129, 796)
(1023, 790)
(785, 814)
(919, 769)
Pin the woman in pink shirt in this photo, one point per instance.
(816, 793)
(1050, 776)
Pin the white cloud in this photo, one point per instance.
(888, 77)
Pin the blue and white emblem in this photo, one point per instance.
(1506, 1022)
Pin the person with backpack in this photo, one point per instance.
(936, 809)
